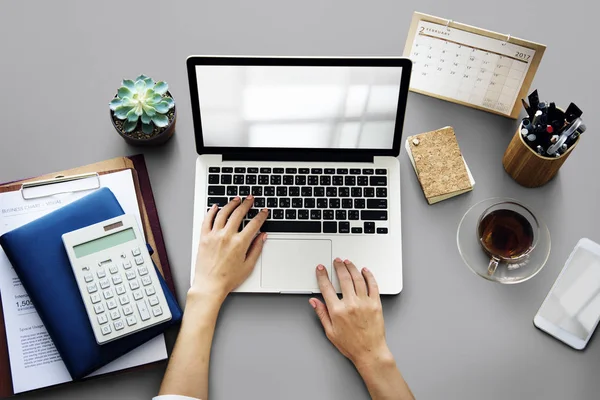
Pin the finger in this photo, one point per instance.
(254, 225)
(237, 216)
(255, 249)
(322, 313)
(207, 224)
(359, 282)
(344, 278)
(371, 284)
(225, 212)
(326, 287)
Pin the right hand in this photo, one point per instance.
(354, 324)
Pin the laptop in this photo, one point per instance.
(315, 140)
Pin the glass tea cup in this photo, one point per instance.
(507, 232)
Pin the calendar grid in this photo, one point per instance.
(470, 66)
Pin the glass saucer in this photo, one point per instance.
(478, 261)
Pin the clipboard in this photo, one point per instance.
(87, 178)
(475, 67)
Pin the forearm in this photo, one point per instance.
(187, 372)
(383, 378)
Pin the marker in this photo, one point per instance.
(534, 100)
(540, 149)
(524, 132)
(573, 112)
(526, 123)
(549, 129)
(531, 137)
(552, 112)
(554, 139)
(542, 106)
(536, 117)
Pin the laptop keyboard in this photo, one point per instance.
(307, 200)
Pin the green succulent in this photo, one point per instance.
(143, 99)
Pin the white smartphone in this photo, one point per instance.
(571, 310)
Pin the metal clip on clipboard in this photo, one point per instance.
(60, 185)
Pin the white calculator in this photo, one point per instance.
(117, 280)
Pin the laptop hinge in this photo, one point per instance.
(299, 156)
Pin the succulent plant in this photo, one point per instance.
(145, 100)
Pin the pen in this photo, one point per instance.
(536, 118)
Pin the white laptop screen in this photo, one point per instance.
(297, 106)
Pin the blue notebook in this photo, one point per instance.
(46, 274)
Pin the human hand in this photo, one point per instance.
(226, 257)
(354, 324)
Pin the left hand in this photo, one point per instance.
(226, 257)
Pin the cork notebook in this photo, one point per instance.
(439, 164)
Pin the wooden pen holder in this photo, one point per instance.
(527, 167)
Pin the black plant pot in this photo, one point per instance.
(156, 140)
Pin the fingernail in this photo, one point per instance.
(237, 198)
(337, 259)
(312, 303)
(320, 267)
(265, 210)
(264, 238)
(346, 261)
(365, 269)
(250, 197)
(214, 206)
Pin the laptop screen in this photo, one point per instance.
(271, 106)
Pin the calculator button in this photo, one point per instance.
(142, 271)
(120, 289)
(137, 295)
(127, 310)
(131, 320)
(101, 273)
(157, 311)
(95, 298)
(136, 252)
(150, 291)
(106, 330)
(102, 319)
(91, 287)
(88, 277)
(111, 304)
(104, 283)
(115, 315)
(139, 260)
(143, 310)
(123, 255)
(118, 325)
(113, 269)
(126, 265)
(99, 308)
(124, 299)
(85, 268)
(153, 300)
(146, 280)
(108, 294)
(130, 275)
(134, 285)
(117, 279)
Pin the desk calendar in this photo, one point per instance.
(470, 66)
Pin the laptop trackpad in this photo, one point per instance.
(289, 265)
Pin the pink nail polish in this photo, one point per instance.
(365, 269)
(320, 267)
(346, 262)
(264, 237)
(313, 304)
(337, 259)
(250, 197)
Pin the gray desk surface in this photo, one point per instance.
(455, 335)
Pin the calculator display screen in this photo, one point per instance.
(103, 243)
